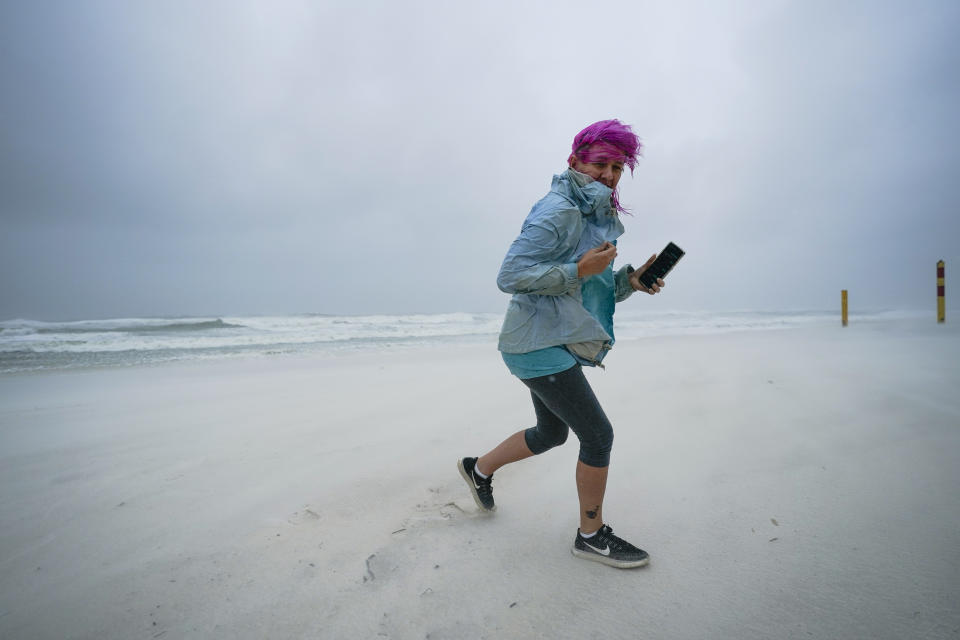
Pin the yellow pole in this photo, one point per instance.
(941, 304)
(843, 305)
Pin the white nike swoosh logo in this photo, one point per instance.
(473, 479)
(604, 552)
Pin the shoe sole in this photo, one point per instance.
(610, 562)
(473, 489)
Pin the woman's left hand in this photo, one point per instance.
(635, 278)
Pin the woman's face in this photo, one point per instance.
(602, 170)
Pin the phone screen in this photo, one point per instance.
(662, 265)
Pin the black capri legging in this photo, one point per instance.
(565, 400)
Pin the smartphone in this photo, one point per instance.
(670, 255)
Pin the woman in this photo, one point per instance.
(560, 318)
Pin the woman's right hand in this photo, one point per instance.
(596, 260)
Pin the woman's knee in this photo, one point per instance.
(540, 440)
(595, 451)
(558, 437)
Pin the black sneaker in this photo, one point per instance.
(479, 487)
(609, 549)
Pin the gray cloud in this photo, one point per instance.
(288, 157)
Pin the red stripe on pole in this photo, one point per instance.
(939, 272)
(940, 291)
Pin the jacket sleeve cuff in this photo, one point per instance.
(622, 281)
(570, 275)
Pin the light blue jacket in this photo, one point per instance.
(550, 305)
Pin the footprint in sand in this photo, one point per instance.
(303, 516)
(439, 506)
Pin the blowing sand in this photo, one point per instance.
(787, 484)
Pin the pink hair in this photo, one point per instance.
(608, 140)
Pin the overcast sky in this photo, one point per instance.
(230, 158)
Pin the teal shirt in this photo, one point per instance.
(542, 362)
(599, 301)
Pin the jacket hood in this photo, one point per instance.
(589, 195)
(593, 200)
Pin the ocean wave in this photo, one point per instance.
(193, 335)
(138, 325)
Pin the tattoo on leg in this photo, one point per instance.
(592, 514)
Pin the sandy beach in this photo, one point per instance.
(802, 483)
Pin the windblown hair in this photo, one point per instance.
(606, 140)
